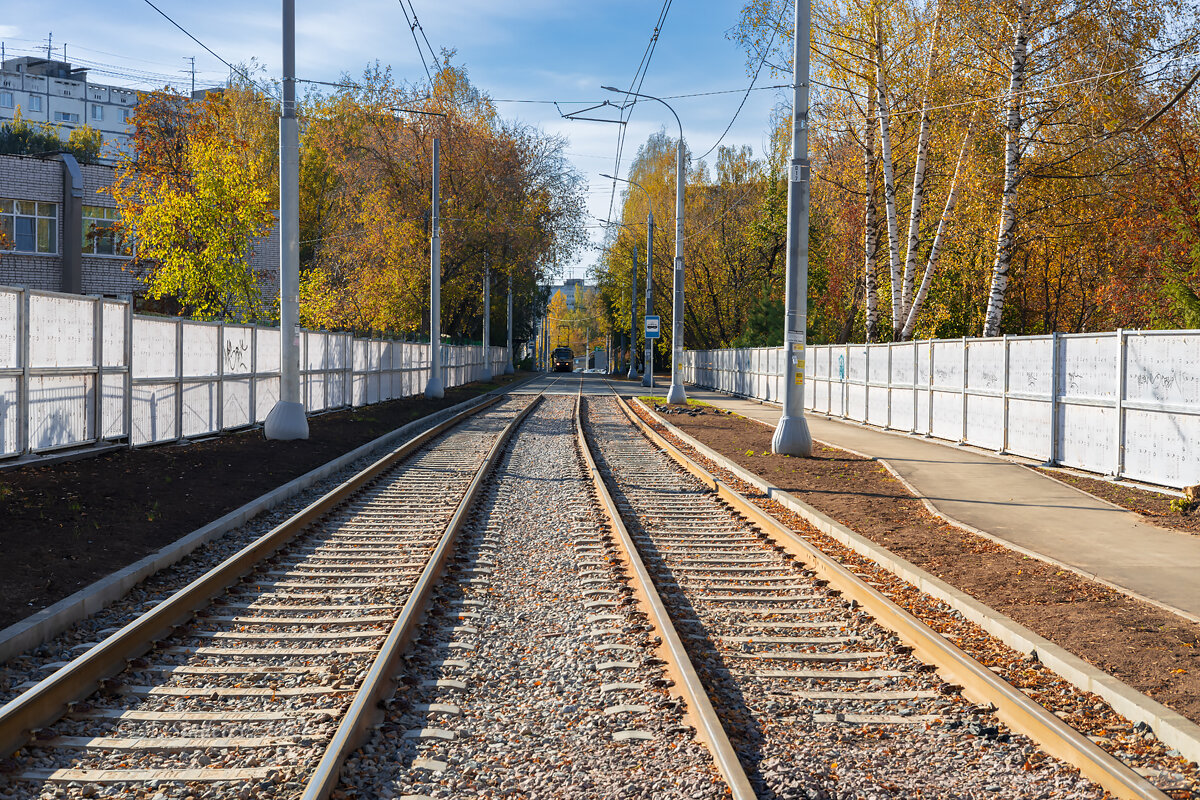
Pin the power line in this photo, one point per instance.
(750, 88)
(639, 77)
(210, 51)
(412, 28)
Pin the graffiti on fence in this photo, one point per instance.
(235, 357)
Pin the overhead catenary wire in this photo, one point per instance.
(639, 78)
(750, 88)
(412, 28)
(210, 51)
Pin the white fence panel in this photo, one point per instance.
(79, 370)
(1123, 403)
(1161, 433)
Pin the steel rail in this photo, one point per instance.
(51, 698)
(679, 664)
(981, 685)
(379, 682)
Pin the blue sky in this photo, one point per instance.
(528, 50)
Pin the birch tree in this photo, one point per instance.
(1006, 236)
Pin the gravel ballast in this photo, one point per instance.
(534, 675)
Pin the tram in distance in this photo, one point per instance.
(564, 359)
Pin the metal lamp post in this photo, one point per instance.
(649, 380)
(287, 419)
(676, 394)
(792, 436)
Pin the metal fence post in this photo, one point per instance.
(305, 379)
(1119, 449)
(887, 425)
(866, 385)
(23, 348)
(929, 405)
(220, 376)
(178, 379)
(253, 374)
(916, 367)
(1004, 401)
(98, 359)
(128, 412)
(1053, 458)
(962, 439)
(845, 381)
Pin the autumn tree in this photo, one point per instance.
(509, 200)
(19, 136)
(198, 191)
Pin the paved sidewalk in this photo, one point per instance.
(1017, 505)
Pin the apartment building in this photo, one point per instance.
(46, 90)
(56, 231)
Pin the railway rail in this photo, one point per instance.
(539, 597)
(818, 678)
(264, 673)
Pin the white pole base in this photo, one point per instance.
(633, 376)
(648, 380)
(434, 390)
(676, 396)
(792, 438)
(287, 421)
(487, 374)
(508, 369)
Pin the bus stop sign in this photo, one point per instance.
(653, 325)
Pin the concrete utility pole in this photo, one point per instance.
(435, 388)
(508, 368)
(487, 318)
(791, 436)
(676, 395)
(287, 419)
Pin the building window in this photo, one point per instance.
(65, 116)
(97, 112)
(35, 102)
(98, 234)
(6, 99)
(125, 115)
(29, 227)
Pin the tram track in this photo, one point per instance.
(537, 674)
(263, 674)
(542, 598)
(817, 696)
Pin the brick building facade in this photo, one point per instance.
(54, 236)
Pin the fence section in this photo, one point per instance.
(1124, 404)
(78, 370)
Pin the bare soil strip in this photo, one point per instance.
(65, 525)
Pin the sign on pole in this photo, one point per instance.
(653, 326)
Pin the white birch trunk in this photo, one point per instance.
(889, 181)
(870, 222)
(935, 250)
(1007, 234)
(918, 185)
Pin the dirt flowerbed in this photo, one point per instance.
(63, 526)
(1154, 506)
(1152, 650)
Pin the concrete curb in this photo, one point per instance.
(43, 625)
(1172, 729)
